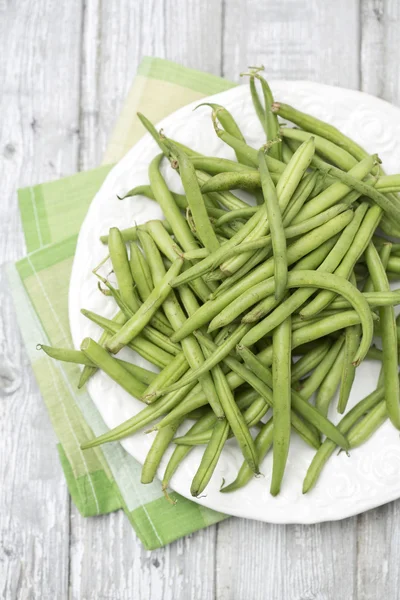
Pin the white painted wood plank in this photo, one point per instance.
(378, 530)
(293, 39)
(108, 561)
(117, 35)
(380, 49)
(38, 140)
(256, 561)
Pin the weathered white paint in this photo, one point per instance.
(65, 69)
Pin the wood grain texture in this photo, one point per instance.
(65, 70)
(380, 49)
(293, 39)
(39, 104)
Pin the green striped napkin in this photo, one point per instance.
(102, 479)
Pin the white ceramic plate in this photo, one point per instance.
(348, 484)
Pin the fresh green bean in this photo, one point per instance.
(263, 443)
(195, 200)
(389, 337)
(157, 450)
(318, 127)
(334, 193)
(309, 361)
(277, 232)
(141, 345)
(140, 272)
(328, 447)
(210, 458)
(298, 249)
(352, 341)
(100, 357)
(330, 282)
(362, 431)
(320, 372)
(327, 150)
(281, 373)
(301, 406)
(300, 196)
(120, 263)
(142, 317)
(330, 384)
(176, 317)
(360, 243)
(130, 234)
(78, 357)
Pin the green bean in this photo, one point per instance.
(142, 346)
(330, 384)
(257, 257)
(309, 361)
(328, 150)
(176, 316)
(170, 373)
(180, 452)
(222, 351)
(194, 254)
(87, 372)
(393, 264)
(286, 152)
(335, 192)
(240, 213)
(321, 371)
(164, 198)
(384, 253)
(140, 420)
(157, 451)
(388, 183)
(386, 203)
(389, 337)
(226, 199)
(374, 299)
(78, 357)
(120, 263)
(313, 260)
(300, 196)
(301, 406)
(140, 272)
(235, 418)
(330, 282)
(360, 243)
(263, 388)
(195, 200)
(294, 172)
(231, 181)
(229, 124)
(363, 430)
(130, 234)
(271, 125)
(275, 223)
(352, 341)
(208, 263)
(100, 357)
(210, 458)
(146, 190)
(171, 250)
(263, 443)
(276, 166)
(328, 447)
(298, 249)
(281, 373)
(318, 127)
(215, 166)
(142, 317)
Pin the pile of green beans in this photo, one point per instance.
(254, 317)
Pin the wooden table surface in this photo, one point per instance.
(65, 67)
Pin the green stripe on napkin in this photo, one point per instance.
(106, 478)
